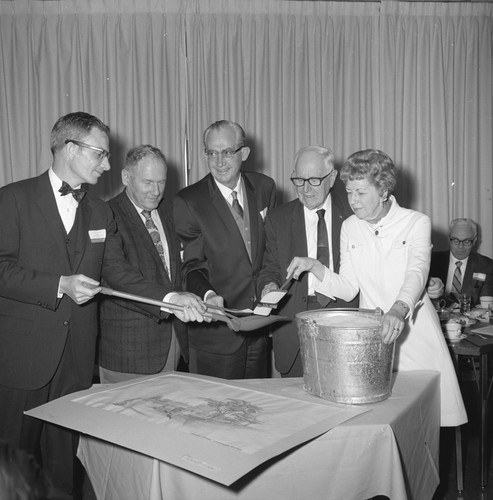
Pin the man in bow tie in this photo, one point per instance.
(55, 245)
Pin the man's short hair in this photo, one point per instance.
(138, 153)
(220, 124)
(74, 126)
(466, 222)
(325, 154)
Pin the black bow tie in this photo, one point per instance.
(78, 194)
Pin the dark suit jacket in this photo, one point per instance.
(215, 257)
(34, 323)
(476, 264)
(285, 239)
(133, 340)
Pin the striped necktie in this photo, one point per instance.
(156, 238)
(236, 204)
(457, 279)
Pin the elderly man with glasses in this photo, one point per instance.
(308, 226)
(461, 270)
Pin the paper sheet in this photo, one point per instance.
(206, 425)
(483, 330)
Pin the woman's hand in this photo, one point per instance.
(393, 325)
(394, 321)
(301, 264)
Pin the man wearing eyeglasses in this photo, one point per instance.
(219, 219)
(310, 227)
(56, 241)
(461, 270)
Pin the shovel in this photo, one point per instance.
(230, 320)
(246, 324)
(270, 300)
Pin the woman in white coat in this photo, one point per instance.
(385, 256)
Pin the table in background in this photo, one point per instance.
(481, 348)
(391, 450)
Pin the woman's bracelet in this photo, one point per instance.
(401, 307)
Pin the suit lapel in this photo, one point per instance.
(471, 266)
(133, 217)
(255, 227)
(172, 244)
(48, 207)
(297, 241)
(298, 232)
(84, 212)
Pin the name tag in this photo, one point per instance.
(97, 235)
(479, 276)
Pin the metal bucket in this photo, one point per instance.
(344, 358)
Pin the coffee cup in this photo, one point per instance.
(453, 330)
(486, 301)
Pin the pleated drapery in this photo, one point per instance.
(411, 78)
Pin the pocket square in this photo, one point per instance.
(263, 213)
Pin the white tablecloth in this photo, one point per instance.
(391, 450)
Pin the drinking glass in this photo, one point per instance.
(465, 303)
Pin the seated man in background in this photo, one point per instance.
(309, 226)
(133, 343)
(461, 270)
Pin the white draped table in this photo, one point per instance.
(391, 450)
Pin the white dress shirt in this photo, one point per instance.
(227, 192)
(451, 270)
(67, 205)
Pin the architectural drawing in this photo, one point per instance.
(230, 411)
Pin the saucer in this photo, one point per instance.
(458, 339)
(464, 320)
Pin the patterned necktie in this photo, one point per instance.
(78, 194)
(156, 239)
(236, 204)
(457, 279)
(323, 254)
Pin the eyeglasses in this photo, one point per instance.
(313, 181)
(226, 153)
(102, 154)
(465, 243)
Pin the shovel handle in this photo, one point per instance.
(167, 305)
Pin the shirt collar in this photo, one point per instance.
(313, 211)
(56, 182)
(226, 191)
(139, 210)
(453, 260)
